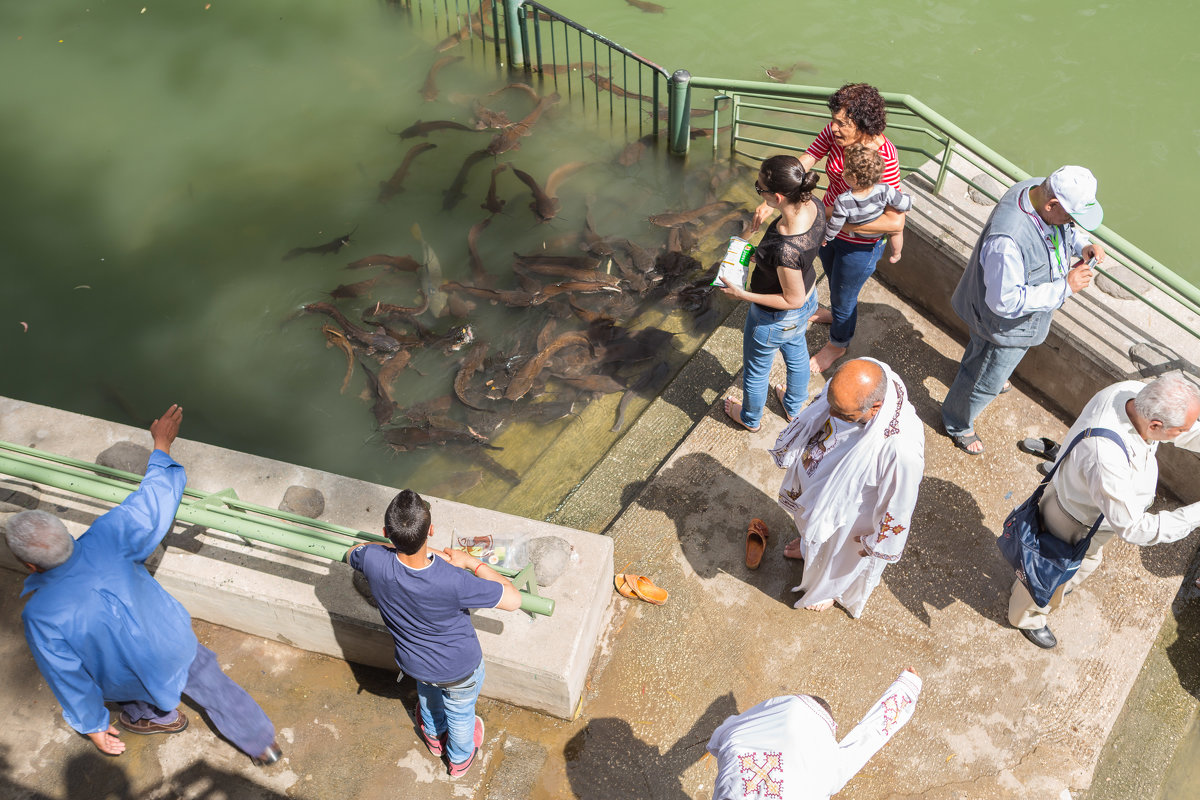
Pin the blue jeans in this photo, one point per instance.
(848, 267)
(981, 375)
(765, 332)
(232, 710)
(452, 710)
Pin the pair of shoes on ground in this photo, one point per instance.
(639, 587)
(146, 727)
(437, 745)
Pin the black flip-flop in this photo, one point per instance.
(1039, 446)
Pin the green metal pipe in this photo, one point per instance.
(679, 112)
(233, 522)
(513, 31)
(222, 512)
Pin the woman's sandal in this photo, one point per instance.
(639, 587)
(756, 542)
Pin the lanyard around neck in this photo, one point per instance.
(1053, 237)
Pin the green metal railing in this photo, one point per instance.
(222, 511)
(786, 117)
(539, 39)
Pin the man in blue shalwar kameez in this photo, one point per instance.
(103, 630)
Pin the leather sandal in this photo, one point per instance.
(756, 542)
(639, 587)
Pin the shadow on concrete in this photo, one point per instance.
(711, 507)
(950, 556)
(606, 759)
(1184, 652)
(92, 776)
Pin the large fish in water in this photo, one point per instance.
(397, 263)
(454, 192)
(430, 91)
(420, 128)
(395, 184)
(374, 341)
(510, 137)
(522, 382)
(493, 203)
(321, 249)
(543, 206)
(675, 219)
(431, 278)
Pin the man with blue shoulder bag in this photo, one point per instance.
(1101, 486)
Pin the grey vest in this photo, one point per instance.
(969, 297)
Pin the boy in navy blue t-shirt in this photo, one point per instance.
(424, 597)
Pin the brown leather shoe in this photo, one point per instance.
(146, 727)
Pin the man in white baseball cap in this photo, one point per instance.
(1075, 190)
(1028, 261)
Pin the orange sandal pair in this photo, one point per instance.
(639, 587)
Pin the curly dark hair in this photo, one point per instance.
(863, 166)
(863, 105)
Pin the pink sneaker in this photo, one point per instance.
(460, 769)
(435, 746)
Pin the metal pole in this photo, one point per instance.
(219, 511)
(679, 112)
(512, 36)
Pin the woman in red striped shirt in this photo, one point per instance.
(858, 116)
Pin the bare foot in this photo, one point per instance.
(823, 316)
(792, 549)
(733, 410)
(780, 391)
(825, 357)
(824, 605)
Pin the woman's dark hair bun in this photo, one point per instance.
(786, 175)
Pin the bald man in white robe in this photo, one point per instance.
(854, 459)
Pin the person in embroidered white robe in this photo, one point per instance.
(786, 747)
(853, 459)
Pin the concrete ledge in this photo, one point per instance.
(1098, 337)
(309, 602)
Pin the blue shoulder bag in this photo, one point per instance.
(1042, 561)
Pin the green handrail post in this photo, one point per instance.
(944, 167)
(513, 33)
(679, 112)
(525, 582)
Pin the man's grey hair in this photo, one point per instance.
(1048, 190)
(38, 538)
(877, 394)
(1167, 399)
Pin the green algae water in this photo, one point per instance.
(159, 158)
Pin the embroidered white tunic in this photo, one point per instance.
(785, 747)
(844, 480)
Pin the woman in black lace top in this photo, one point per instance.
(782, 291)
